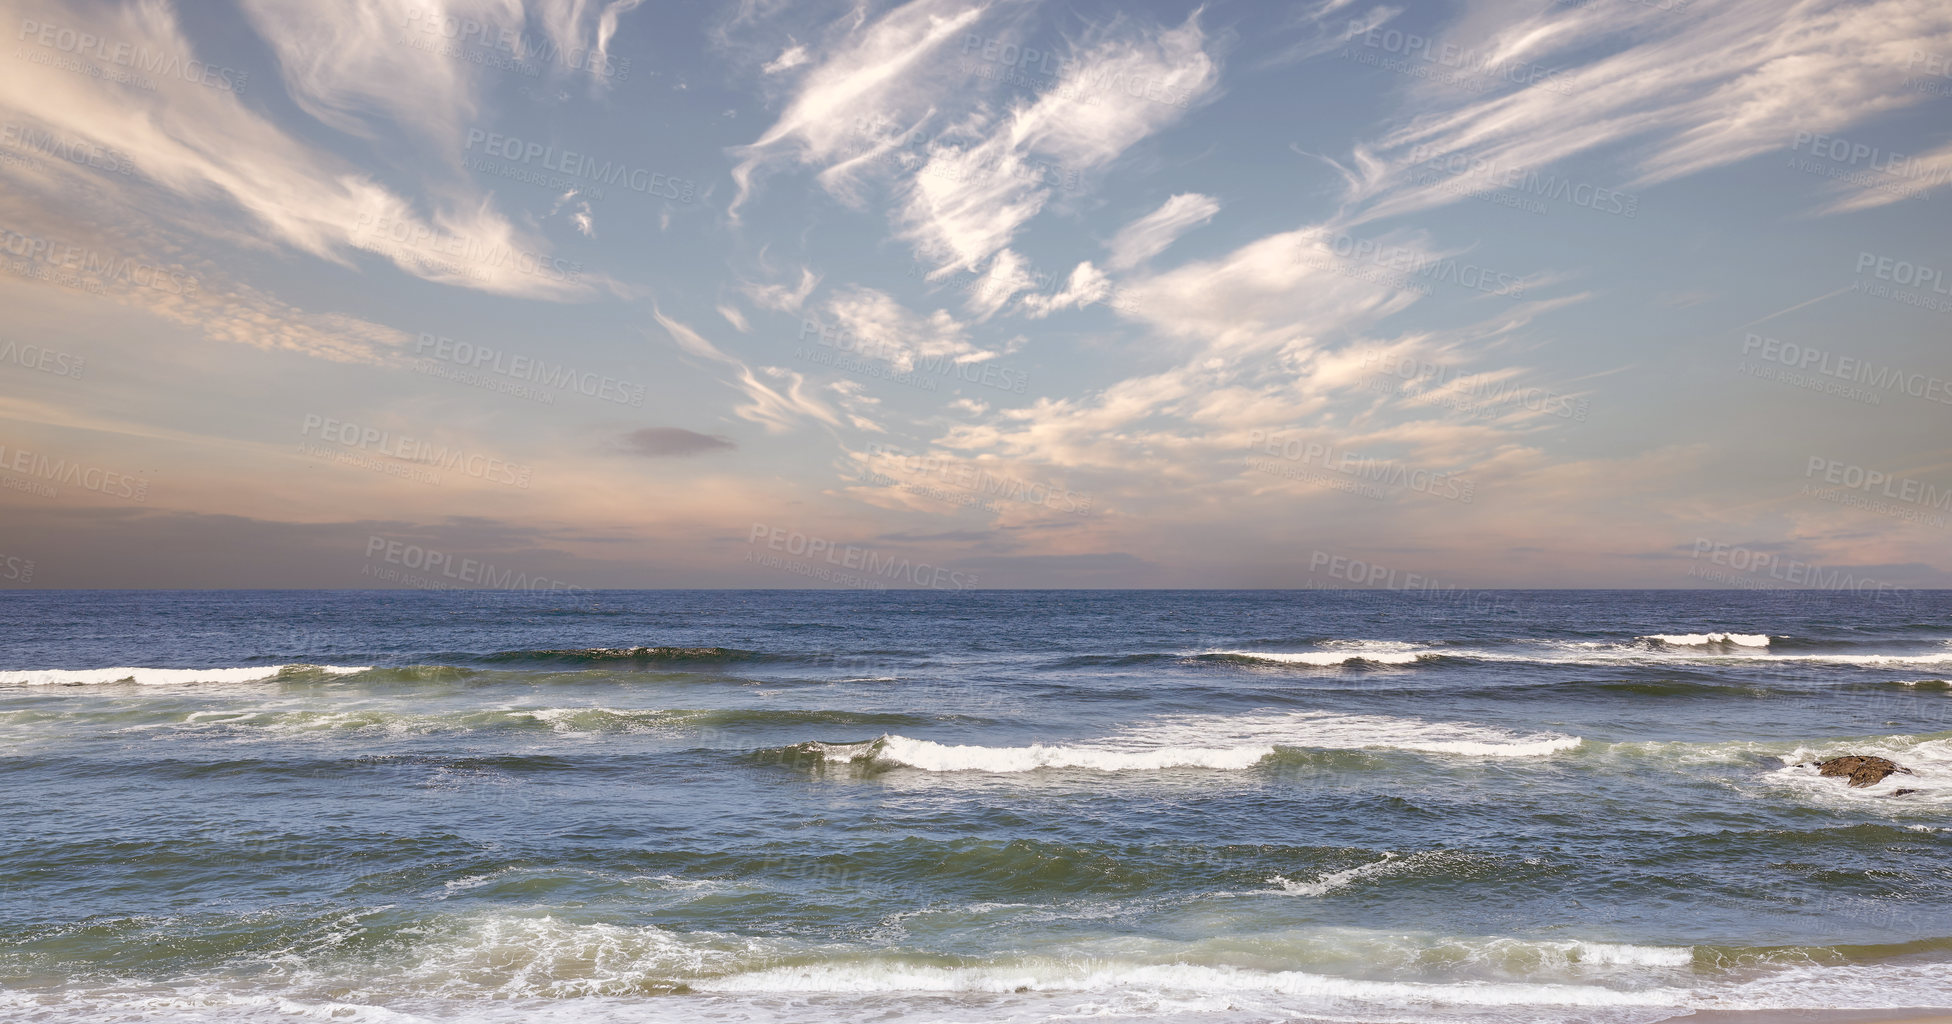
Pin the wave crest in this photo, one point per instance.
(1189, 742)
(172, 676)
(1704, 639)
(608, 655)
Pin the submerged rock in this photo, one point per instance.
(1860, 770)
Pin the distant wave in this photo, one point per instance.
(713, 729)
(1704, 654)
(1322, 659)
(170, 676)
(1339, 652)
(1878, 659)
(1703, 639)
(1190, 742)
(610, 655)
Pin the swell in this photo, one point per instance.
(1023, 871)
(144, 676)
(486, 959)
(1682, 683)
(1198, 741)
(620, 656)
(678, 724)
(1321, 659)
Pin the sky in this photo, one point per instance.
(976, 293)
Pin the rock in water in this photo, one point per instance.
(1860, 770)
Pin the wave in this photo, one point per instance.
(173, 676)
(1654, 649)
(1928, 781)
(1334, 880)
(1054, 976)
(1338, 652)
(370, 963)
(707, 727)
(1320, 659)
(1704, 639)
(1620, 655)
(1788, 768)
(1188, 742)
(613, 655)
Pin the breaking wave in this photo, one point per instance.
(1190, 742)
(1704, 639)
(172, 676)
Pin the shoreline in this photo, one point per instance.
(1921, 1015)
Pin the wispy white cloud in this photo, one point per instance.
(785, 298)
(875, 326)
(987, 175)
(364, 66)
(778, 406)
(789, 58)
(1149, 236)
(1678, 91)
(1086, 285)
(214, 158)
(873, 70)
(1322, 27)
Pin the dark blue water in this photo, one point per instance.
(909, 805)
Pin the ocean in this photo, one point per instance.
(920, 806)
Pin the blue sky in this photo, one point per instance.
(999, 294)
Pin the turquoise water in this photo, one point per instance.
(976, 806)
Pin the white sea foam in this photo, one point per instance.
(941, 757)
(551, 970)
(1876, 659)
(1682, 655)
(1655, 648)
(1339, 652)
(1703, 639)
(1327, 658)
(161, 676)
(1929, 779)
(1033, 976)
(1621, 953)
(1337, 879)
(1222, 742)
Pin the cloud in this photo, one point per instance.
(777, 407)
(792, 57)
(205, 157)
(1149, 236)
(781, 297)
(871, 324)
(1008, 274)
(580, 214)
(669, 442)
(1281, 290)
(363, 65)
(872, 72)
(964, 194)
(1678, 92)
(1868, 189)
(987, 175)
(1324, 28)
(196, 294)
(1087, 285)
